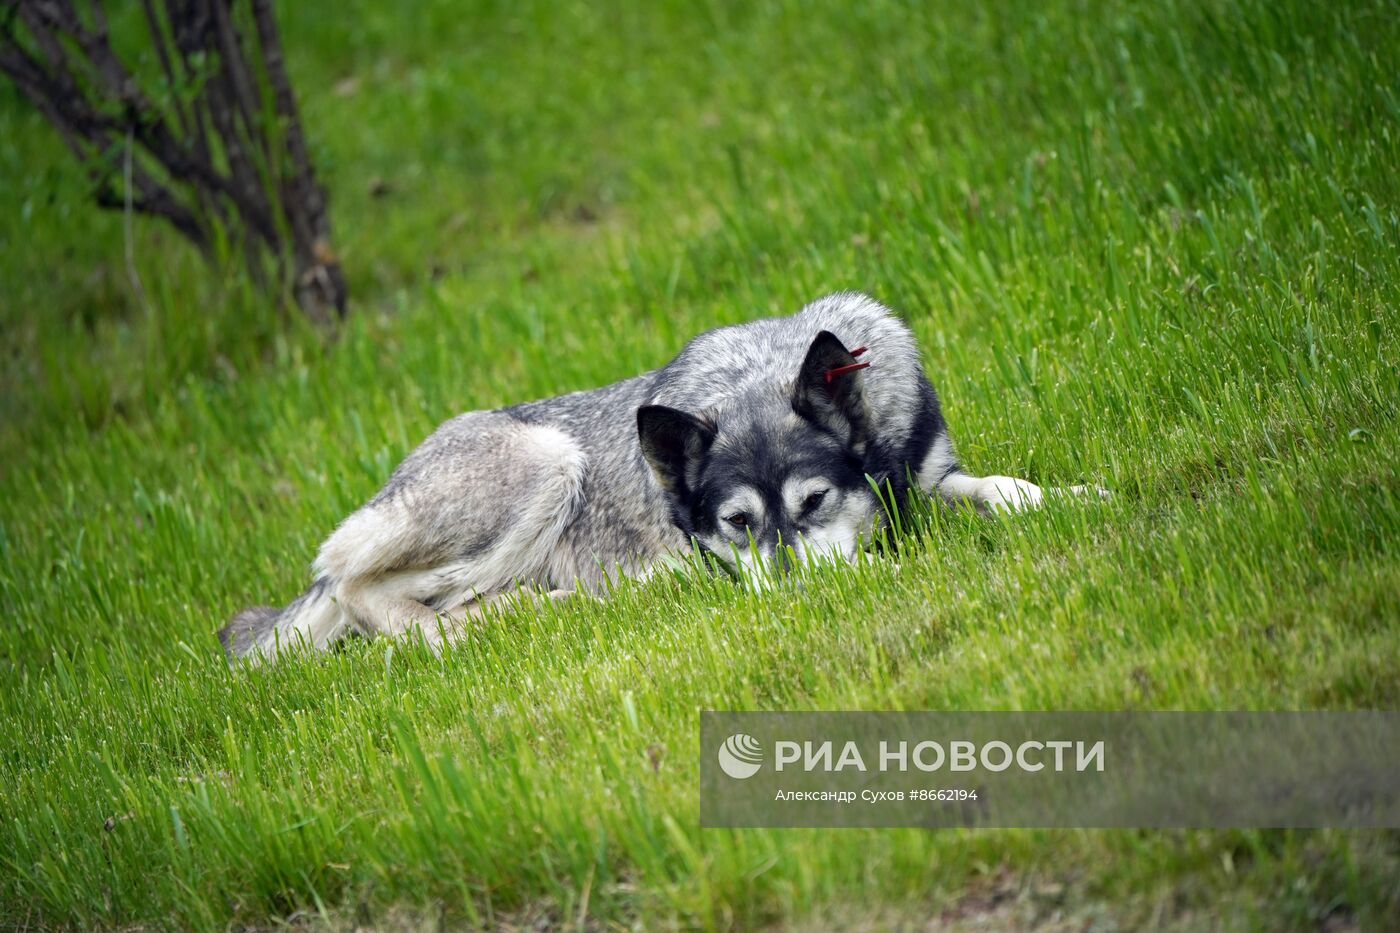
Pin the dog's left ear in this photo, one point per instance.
(830, 390)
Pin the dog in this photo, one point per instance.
(762, 444)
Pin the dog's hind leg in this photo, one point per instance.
(381, 609)
(396, 615)
(477, 510)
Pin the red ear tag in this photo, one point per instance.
(857, 351)
(842, 370)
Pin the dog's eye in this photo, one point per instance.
(811, 503)
(738, 519)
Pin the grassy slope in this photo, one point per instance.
(1151, 245)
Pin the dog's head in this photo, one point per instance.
(775, 471)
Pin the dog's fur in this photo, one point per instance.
(753, 444)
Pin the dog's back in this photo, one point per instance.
(729, 364)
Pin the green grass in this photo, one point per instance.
(1151, 245)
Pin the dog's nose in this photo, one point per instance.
(784, 559)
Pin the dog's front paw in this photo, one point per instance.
(1008, 494)
(1090, 490)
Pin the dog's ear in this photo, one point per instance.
(673, 443)
(830, 390)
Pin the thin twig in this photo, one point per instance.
(127, 236)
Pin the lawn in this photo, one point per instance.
(1154, 246)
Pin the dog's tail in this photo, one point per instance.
(313, 620)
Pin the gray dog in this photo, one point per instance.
(757, 444)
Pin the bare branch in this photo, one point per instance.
(215, 157)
